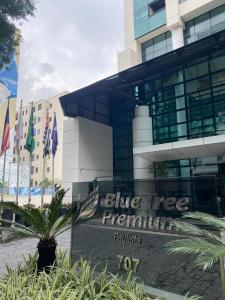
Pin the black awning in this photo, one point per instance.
(157, 65)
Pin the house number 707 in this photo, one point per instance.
(128, 264)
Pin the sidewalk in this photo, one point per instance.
(12, 253)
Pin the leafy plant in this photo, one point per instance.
(206, 245)
(29, 205)
(47, 224)
(45, 183)
(10, 11)
(67, 281)
(3, 184)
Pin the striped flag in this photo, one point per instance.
(54, 136)
(46, 138)
(6, 134)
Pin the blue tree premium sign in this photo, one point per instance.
(131, 228)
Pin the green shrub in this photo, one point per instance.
(67, 282)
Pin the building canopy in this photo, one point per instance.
(117, 84)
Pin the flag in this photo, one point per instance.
(6, 133)
(54, 136)
(30, 141)
(46, 138)
(19, 130)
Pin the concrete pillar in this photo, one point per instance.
(177, 37)
(143, 169)
(142, 136)
(175, 23)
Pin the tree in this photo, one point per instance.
(47, 224)
(207, 245)
(3, 184)
(45, 183)
(11, 11)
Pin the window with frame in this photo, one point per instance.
(205, 25)
(155, 7)
(157, 46)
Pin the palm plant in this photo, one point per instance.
(47, 224)
(45, 183)
(207, 245)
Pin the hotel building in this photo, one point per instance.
(163, 114)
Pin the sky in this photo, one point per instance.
(67, 45)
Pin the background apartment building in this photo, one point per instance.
(40, 109)
(155, 27)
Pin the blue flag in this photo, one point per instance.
(54, 136)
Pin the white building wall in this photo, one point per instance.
(70, 155)
(131, 56)
(193, 8)
(87, 152)
(176, 16)
(95, 158)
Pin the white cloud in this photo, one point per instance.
(69, 44)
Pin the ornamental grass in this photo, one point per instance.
(67, 282)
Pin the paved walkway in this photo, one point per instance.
(12, 253)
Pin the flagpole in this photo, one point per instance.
(17, 182)
(30, 166)
(54, 138)
(4, 147)
(53, 174)
(3, 180)
(43, 177)
(18, 154)
(17, 177)
(45, 145)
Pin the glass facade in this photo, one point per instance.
(185, 92)
(187, 102)
(144, 22)
(187, 167)
(123, 114)
(157, 46)
(205, 25)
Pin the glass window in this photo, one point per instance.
(218, 78)
(173, 78)
(140, 14)
(157, 46)
(218, 19)
(205, 25)
(202, 26)
(196, 70)
(156, 6)
(218, 62)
